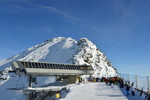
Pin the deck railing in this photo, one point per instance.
(140, 82)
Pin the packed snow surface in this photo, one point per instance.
(97, 91)
(94, 91)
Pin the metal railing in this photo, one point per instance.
(140, 82)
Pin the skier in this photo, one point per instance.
(121, 83)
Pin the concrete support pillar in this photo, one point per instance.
(29, 96)
(30, 81)
(77, 79)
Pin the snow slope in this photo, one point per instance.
(57, 50)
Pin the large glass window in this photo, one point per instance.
(26, 65)
(33, 65)
(51, 66)
(57, 67)
(36, 65)
(30, 65)
(48, 66)
(44, 65)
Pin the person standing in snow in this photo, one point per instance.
(127, 90)
(112, 84)
(147, 96)
(132, 84)
(132, 89)
(106, 81)
(141, 92)
(121, 83)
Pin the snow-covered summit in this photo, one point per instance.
(57, 50)
(66, 50)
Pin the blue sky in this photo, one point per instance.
(119, 28)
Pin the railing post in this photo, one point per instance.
(148, 85)
(136, 81)
(128, 77)
(120, 75)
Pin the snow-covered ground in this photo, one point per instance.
(94, 91)
(97, 91)
(130, 97)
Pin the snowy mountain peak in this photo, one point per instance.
(56, 50)
(66, 50)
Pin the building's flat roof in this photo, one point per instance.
(47, 69)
